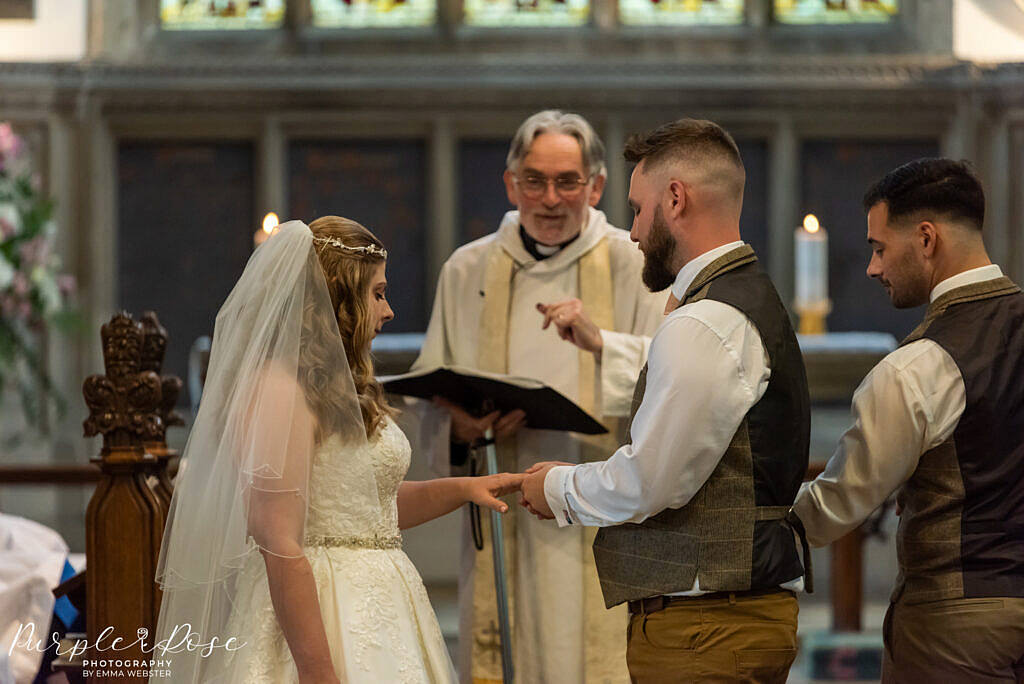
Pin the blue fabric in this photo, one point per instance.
(63, 608)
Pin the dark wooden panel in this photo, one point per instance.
(185, 226)
(835, 174)
(382, 185)
(754, 219)
(482, 198)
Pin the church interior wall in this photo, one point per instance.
(307, 123)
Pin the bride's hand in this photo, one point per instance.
(485, 489)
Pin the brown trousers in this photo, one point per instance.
(736, 639)
(957, 640)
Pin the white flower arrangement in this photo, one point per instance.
(33, 291)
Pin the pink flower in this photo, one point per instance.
(25, 311)
(20, 285)
(6, 229)
(35, 252)
(66, 284)
(7, 305)
(10, 144)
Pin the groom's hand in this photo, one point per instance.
(532, 494)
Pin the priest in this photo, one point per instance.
(554, 270)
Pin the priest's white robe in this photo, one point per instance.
(556, 639)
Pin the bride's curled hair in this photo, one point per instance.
(348, 276)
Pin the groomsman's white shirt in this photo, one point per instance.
(707, 367)
(908, 404)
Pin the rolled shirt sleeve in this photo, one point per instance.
(909, 403)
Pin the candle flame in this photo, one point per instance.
(270, 222)
(811, 223)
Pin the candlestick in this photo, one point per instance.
(270, 223)
(812, 302)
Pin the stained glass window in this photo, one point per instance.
(680, 12)
(373, 13)
(220, 15)
(527, 12)
(835, 11)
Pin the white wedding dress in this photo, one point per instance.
(379, 622)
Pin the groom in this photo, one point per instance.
(692, 510)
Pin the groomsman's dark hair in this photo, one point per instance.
(933, 185)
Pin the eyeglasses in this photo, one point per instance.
(534, 186)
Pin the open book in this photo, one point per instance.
(474, 390)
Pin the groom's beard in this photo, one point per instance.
(661, 248)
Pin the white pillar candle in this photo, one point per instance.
(811, 244)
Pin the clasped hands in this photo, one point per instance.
(468, 429)
(485, 490)
(529, 483)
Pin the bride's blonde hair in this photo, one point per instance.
(348, 276)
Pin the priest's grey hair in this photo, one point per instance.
(557, 121)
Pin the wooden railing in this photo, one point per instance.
(70, 474)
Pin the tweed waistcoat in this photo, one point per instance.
(961, 532)
(731, 535)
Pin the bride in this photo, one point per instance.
(282, 560)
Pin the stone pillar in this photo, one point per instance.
(783, 205)
(441, 199)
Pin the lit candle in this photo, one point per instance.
(811, 242)
(270, 222)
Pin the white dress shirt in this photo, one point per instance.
(909, 403)
(707, 367)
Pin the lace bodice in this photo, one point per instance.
(344, 501)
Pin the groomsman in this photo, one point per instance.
(940, 421)
(692, 510)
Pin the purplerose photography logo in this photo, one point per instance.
(105, 658)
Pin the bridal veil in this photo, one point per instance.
(278, 386)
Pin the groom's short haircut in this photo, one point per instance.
(557, 121)
(695, 144)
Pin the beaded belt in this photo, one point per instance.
(374, 542)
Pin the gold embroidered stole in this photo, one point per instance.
(595, 291)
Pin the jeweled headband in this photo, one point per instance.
(365, 249)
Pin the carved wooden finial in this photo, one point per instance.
(154, 346)
(154, 342)
(124, 404)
